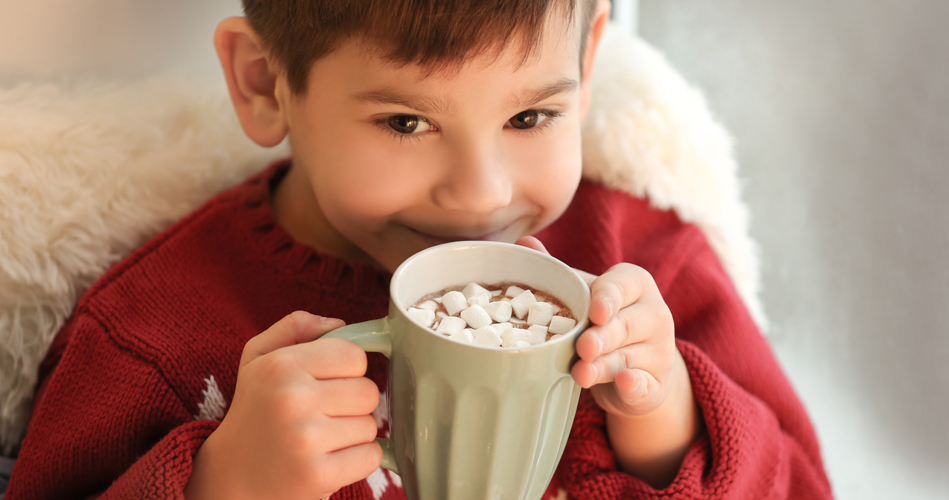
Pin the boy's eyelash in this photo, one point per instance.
(551, 115)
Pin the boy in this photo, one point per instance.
(186, 373)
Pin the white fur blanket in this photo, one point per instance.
(90, 170)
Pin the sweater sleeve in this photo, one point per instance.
(106, 424)
(758, 442)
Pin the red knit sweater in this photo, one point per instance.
(129, 389)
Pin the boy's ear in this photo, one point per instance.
(252, 80)
(600, 18)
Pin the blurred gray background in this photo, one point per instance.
(839, 110)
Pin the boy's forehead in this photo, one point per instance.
(549, 69)
(372, 79)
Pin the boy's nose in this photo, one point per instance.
(476, 182)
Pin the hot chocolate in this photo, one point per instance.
(494, 315)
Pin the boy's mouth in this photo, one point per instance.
(437, 239)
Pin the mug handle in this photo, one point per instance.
(372, 336)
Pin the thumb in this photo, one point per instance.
(533, 243)
(296, 328)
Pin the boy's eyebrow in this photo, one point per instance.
(428, 105)
(532, 97)
(434, 105)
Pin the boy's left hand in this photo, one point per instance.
(628, 355)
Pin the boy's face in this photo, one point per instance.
(389, 160)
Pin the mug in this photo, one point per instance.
(466, 421)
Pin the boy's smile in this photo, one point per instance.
(389, 159)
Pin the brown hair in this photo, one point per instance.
(431, 33)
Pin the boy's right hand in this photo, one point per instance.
(299, 425)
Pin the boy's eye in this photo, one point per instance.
(528, 119)
(408, 124)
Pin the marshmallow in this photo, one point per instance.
(441, 314)
(499, 311)
(474, 289)
(514, 291)
(463, 336)
(454, 302)
(538, 334)
(482, 299)
(476, 317)
(423, 316)
(539, 313)
(511, 336)
(495, 293)
(500, 327)
(431, 305)
(520, 344)
(517, 321)
(451, 325)
(521, 302)
(561, 325)
(487, 337)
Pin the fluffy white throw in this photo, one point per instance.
(90, 170)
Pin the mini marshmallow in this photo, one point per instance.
(487, 336)
(440, 314)
(517, 321)
(499, 311)
(520, 344)
(511, 336)
(514, 291)
(495, 293)
(476, 317)
(539, 313)
(431, 305)
(474, 289)
(482, 299)
(451, 325)
(500, 327)
(561, 325)
(521, 302)
(485, 330)
(463, 336)
(538, 334)
(423, 316)
(454, 302)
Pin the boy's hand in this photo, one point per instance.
(631, 365)
(300, 423)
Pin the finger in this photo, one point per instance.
(639, 322)
(295, 328)
(604, 369)
(339, 433)
(346, 397)
(637, 389)
(622, 285)
(533, 243)
(346, 466)
(326, 359)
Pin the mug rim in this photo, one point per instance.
(396, 300)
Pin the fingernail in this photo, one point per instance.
(609, 307)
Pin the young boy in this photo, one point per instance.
(185, 372)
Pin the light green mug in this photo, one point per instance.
(472, 422)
